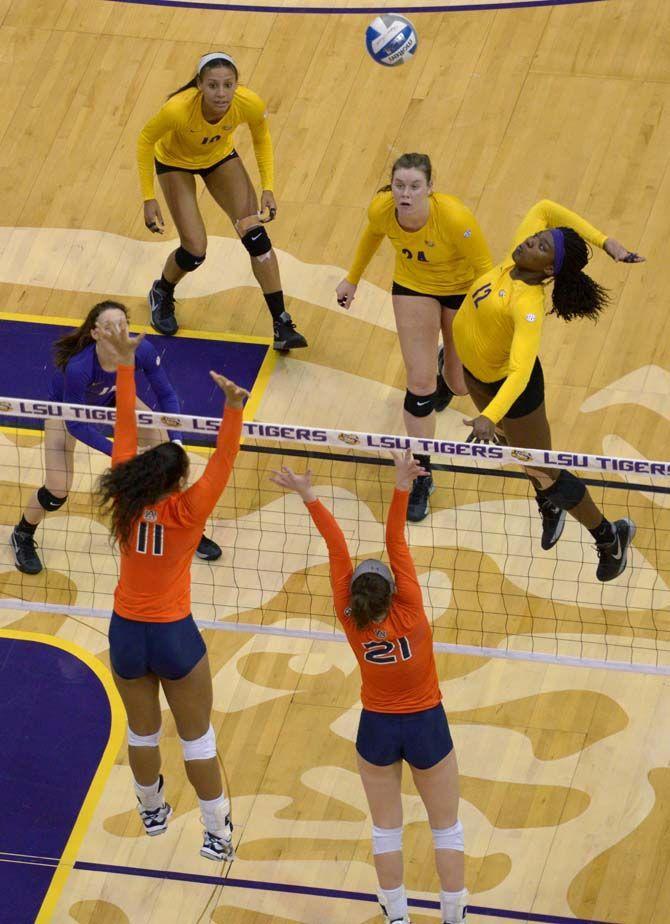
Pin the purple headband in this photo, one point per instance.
(559, 249)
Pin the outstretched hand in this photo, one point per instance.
(292, 481)
(621, 254)
(235, 395)
(483, 429)
(407, 468)
(119, 341)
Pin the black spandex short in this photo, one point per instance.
(199, 171)
(530, 398)
(447, 301)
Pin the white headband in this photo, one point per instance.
(214, 56)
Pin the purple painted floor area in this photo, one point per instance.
(55, 719)
(187, 362)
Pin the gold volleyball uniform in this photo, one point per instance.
(180, 136)
(442, 258)
(498, 327)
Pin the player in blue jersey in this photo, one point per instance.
(86, 374)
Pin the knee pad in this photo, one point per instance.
(419, 405)
(566, 492)
(386, 840)
(202, 748)
(449, 838)
(188, 261)
(49, 501)
(257, 242)
(143, 741)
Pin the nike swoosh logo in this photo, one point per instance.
(254, 237)
(618, 551)
(422, 403)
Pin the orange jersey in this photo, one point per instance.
(395, 656)
(155, 576)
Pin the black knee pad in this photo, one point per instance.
(257, 242)
(49, 501)
(188, 261)
(419, 405)
(566, 492)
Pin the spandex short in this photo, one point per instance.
(447, 301)
(421, 738)
(530, 398)
(196, 171)
(167, 649)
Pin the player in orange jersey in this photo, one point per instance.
(381, 612)
(192, 135)
(153, 639)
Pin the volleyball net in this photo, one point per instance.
(488, 586)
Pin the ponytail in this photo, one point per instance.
(370, 599)
(126, 490)
(575, 294)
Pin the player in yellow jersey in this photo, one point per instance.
(193, 135)
(440, 250)
(497, 336)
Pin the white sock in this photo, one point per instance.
(395, 902)
(214, 813)
(149, 795)
(451, 906)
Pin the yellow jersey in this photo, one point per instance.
(180, 136)
(497, 328)
(442, 258)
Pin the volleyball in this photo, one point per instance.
(391, 39)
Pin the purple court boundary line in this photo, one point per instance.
(259, 885)
(341, 10)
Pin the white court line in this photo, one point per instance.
(440, 647)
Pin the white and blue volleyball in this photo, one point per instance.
(391, 39)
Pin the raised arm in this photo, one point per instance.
(548, 214)
(341, 568)
(408, 590)
(196, 503)
(125, 427)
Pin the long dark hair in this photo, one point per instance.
(69, 345)
(370, 599)
(215, 62)
(407, 161)
(126, 490)
(575, 294)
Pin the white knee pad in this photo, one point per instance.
(386, 840)
(143, 741)
(449, 838)
(201, 748)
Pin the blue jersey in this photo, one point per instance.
(84, 381)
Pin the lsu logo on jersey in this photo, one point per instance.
(481, 293)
